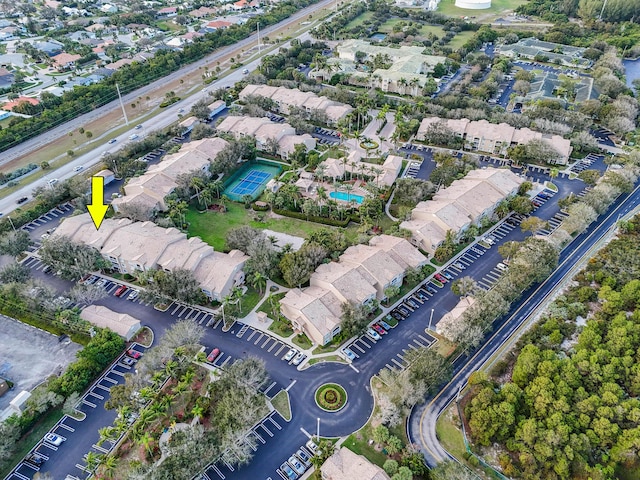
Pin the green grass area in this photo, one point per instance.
(249, 300)
(360, 19)
(330, 358)
(460, 39)
(435, 29)
(448, 7)
(282, 405)
(302, 341)
(212, 227)
(32, 438)
(332, 346)
(449, 433)
(359, 443)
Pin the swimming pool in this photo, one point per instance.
(347, 197)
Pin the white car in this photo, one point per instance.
(297, 466)
(311, 446)
(78, 168)
(502, 267)
(373, 334)
(290, 354)
(299, 358)
(53, 439)
(133, 137)
(349, 354)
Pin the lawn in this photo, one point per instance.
(460, 39)
(249, 300)
(449, 433)
(359, 20)
(359, 443)
(212, 227)
(448, 7)
(33, 437)
(302, 341)
(281, 403)
(435, 29)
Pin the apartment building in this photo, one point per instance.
(149, 190)
(483, 136)
(361, 275)
(133, 247)
(266, 132)
(459, 206)
(286, 99)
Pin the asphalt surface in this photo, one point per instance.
(422, 422)
(240, 342)
(164, 118)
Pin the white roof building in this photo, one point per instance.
(362, 275)
(141, 246)
(460, 205)
(124, 325)
(346, 465)
(483, 136)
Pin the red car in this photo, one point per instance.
(379, 329)
(440, 278)
(133, 353)
(213, 355)
(120, 290)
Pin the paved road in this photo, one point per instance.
(422, 422)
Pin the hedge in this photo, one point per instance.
(311, 218)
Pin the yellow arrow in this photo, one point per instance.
(97, 208)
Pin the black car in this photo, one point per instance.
(404, 313)
(412, 303)
(403, 310)
(20, 201)
(512, 221)
(397, 315)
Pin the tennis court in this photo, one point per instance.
(250, 180)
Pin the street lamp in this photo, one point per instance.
(430, 318)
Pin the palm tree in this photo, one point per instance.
(147, 441)
(197, 184)
(109, 466)
(106, 433)
(92, 460)
(320, 171)
(403, 83)
(258, 281)
(216, 186)
(197, 411)
(236, 295)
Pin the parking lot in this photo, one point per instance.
(325, 136)
(68, 456)
(591, 161)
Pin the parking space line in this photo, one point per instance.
(267, 341)
(258, 339)
(252, 334)
(263, 426)
(280, 349)
(66, 427)
(273, 346)
(174, 310)
(418, 343)
(225, 361)
(110, 380)
(92, 405)
(274, 423)
(260, 439)
(217, 470)
(100, 449)
(353, 345)
(397, 363)
(99, 397)
(269, 387)
(106, 389)
(122, 374)
(428, 342)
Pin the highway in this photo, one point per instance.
(422, 421)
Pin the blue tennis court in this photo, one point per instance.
(251, 180)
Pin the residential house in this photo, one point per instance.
(50, 47)
(450, 323)
(287, 99)
(6, 78)
(65, 61)
(267, 133)
(107, 175)
(217, 25)
(361, 276)
(9, 106)
(483, 136)
(133, 247)
(203, 12)
(455, 208)
(216, 107)
(108, 8)
(149, 190)
(167, 12)
(347, 465)
(121, 323)
(383, 175)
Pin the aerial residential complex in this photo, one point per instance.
(141, 246)
(483, 136)
(460, 205)
(361, 276)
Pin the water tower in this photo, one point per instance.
(473, 4)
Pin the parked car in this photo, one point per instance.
(447, 275)
(288, 471)
(133, 295)
(47, 269)
(431, 290)
(297, 466)
(412, 303)
(91, 280)
(120, 290)
(304, 457)
(371, 333)
(422, 295)
(385, 325)
(213, 355)
(53, 439)
(502, 267)
(403, 310)
(397, 315)
(299, 358)
(379, 329)
(34, 459)
(128, 361)
(290, 354)
(133, 353)
(101, 282)
(349, 354)
(512, 221)
(440, 278)
(311, 446)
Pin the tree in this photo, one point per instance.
(15, 273)
(521, 205)
(354, 319)
(390, 466)
(14, 243)
(394, 445)
(533, 224)
(88, 294)
(9, 435)
(404, 473)
(241, 237)
(136, 211)
(590, 176)
(72, 260)
(180, 285)
(380, 434)
(258, 281)
(464, 286)
(452, 471)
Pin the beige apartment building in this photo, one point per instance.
(265, 132)
(459, 206)
(361, 275)
(149, 190)
(383, 175)
(346, 465)
(133, 247)
(285, 99)
(483, 136)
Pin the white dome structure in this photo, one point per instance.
(473, 4)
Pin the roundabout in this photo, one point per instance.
(331, 397)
